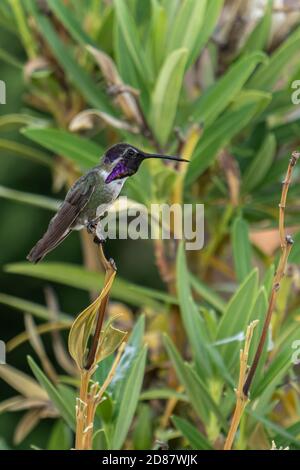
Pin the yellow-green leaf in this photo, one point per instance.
(166, 94)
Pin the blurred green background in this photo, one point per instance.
(229, 108)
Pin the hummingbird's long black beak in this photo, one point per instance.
(164, 157)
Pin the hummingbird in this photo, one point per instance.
(91, 195)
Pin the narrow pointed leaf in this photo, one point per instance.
(184, 32)
(195, 389)
(196, 440)
(21, 382)
(82, 151)
(214, 100)
(130, 400)
(76, 276)
(269, 73)
(192, 321)
(36, 200)
(80, 78)
(132, 40)
(166, 94)
(30, 307)
(241, 248)
(53, 393)
(234, 319)
(260, 165)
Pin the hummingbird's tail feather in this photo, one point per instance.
(59, 228)
(64, 221)
(44, 246)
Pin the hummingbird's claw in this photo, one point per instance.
(113, 264)
(99, 241)
(91, 227)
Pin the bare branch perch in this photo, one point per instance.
(286, 242)
(242, 399)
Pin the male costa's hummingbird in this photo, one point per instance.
(91, 195)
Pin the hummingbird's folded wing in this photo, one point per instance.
(61, 224)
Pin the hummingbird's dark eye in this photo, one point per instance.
(131, 153)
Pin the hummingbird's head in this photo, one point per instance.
(124, 160)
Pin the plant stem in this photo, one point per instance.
(95, 397)
(286, 242)
(110, 270)
(242, 399)
(81, 408)
(87, 402)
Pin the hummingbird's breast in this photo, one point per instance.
(103, 196)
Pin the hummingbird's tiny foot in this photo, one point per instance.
(99, 241)
(91, 227)
(113, 264)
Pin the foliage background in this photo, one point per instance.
(239, 157)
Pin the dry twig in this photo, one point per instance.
(242, 399)
(90, 397)
(286, 242)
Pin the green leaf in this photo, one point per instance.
(66, 16)
(211, 16)
(142, 436)
(276, 371)
(10, 58)
(260, 165)
(236, 315)
(106, 407)
(4, 445)
(214, 100)
(112, 338)
(130, 400)
(241, 248)
(78, 277)
(53, 393)
(24, 151)
(84, 325)
(245, 97)
(295, 253)
(217, 136)
(166, 94)
(82, 151)
(293, 431)
(100, 440)
(275, 428)
(260, 34)
(125, 64)
(79, 77)
(196, 390)
(192, 321)
(14, 120)
(184, 31)
(194, 437)
(268, 74)
(36, 200)
(24, 31)
(157, 33)
(60, 437)
(133, 348)
(30, 307)
(162, 394)
(207, 294)
(132, 40)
